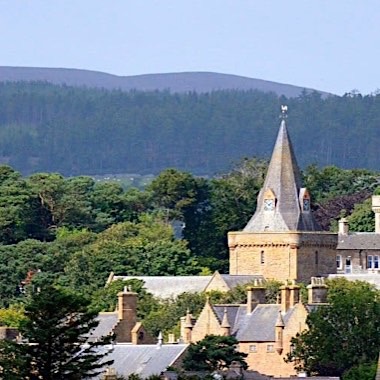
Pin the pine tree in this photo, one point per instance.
(55, 345)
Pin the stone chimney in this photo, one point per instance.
(110, 374)
(290, 296)
(343, 226)
(171, 338)
(317, 291)
(255, 296)
(127, 315)
(376, 210)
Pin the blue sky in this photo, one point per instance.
(330, 45)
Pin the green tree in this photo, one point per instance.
(362, 218)
(174, 191)
(231, 201)
(56, 348)
(361, 372)
(15, 210)
(336, 339)
(213, 353)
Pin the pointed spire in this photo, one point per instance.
(280, 320)
(279, 204)
(225, 323)
(188, 322)
(160, 340)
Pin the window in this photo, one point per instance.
(338, 261)
(316, 257)
(306, 204)
(262, 257)
(253, 348)
(270, 348)
(373, 262)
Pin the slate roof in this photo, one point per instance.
(259, 326)
(107, 322)
(359, 240)
(143, 360)
(284, 180)
(170, 286)
(235, 280)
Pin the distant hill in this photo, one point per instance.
(79, 130)
(199, 82)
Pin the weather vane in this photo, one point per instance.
(284, 112)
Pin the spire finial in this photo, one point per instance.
(284, 112)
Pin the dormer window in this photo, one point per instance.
(304, 198)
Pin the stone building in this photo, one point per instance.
(264, 331)
(282, 240)
(123, 322)
(359, 252)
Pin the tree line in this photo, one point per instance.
(75, 131)
(70, 233)
(74, 231)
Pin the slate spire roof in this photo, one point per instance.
(283, 185)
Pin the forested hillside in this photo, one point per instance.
(73, 131)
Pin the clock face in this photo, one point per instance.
(306, 204)
(268, 204)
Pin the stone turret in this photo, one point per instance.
(188, 327)
(282, 240)
(283, 204)
(226, 327)
(279, 331)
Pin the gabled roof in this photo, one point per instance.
(359, 240)
(170, 286)
(259, 326)
(283, 181)
(143, 360)
(107, 322)
(235, 280)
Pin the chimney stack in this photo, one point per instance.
(343, 227)
(127, 315)
(127, 305)
(290, 296)
(255, 296)
(376, 210)
(317, 291)
(110, 374)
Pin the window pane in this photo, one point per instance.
(376, 262)
(369, 262)
(339, 261)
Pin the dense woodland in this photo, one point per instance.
(75, 131)
(72, 232)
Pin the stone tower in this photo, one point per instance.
(282, 240)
